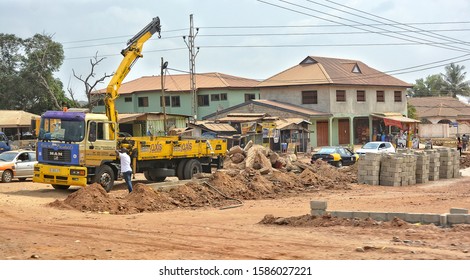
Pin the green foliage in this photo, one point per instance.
(454, 81)
(412, 112)
(431, 86)
(26, 73)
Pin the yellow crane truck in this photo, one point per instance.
(78, 148)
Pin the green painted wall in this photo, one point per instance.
(234, 97)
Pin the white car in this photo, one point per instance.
(376, 147)
(17, 164)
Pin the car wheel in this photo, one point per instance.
(339, 164)
(7, 176)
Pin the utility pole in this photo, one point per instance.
(164, 65)
(192, 64)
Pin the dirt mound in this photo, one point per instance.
(92, 198)
(329, 221)
(464, 161)
(322, 175)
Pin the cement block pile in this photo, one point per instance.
(408, 167)
(434, 164)
(449, 163)
(422, 167)
(391, 170)
(369, 169)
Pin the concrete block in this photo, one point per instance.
(458, 211)
(392, 215)
(360, 214)
(414, 217)
(378, 216)
(431, 219)
(317, 213)
(344, 214)
(453, 219)
(443, 220)
(468, 219)
(318, 205)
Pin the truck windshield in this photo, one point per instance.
(62, 130)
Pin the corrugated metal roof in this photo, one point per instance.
(15, 118)
(240, 119)
(315, 70)
(219, 127)
(179, 83)
(281, 123)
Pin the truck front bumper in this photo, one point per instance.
(60, 175)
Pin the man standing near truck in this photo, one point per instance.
(126, 169)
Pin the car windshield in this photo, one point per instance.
(7, 156)
(371, 145)
(62, 130)
(327, 150)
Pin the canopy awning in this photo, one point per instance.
(394, 119)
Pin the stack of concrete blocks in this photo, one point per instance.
(456, 162)
(422, 167)
(408, 174)
(369, 169)
(446, 159)
(434, 164)
(391, 170)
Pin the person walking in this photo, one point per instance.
(459, 146)
(126, 169)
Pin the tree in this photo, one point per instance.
(90, 86)
(26, 75)
(454, 81)
(412, 112)
(431, 86)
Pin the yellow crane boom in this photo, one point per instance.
(131, 53)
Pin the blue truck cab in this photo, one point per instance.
(4, 143)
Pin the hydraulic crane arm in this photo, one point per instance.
(131, 53)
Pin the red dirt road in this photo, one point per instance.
(31, 230)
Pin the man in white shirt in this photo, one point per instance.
(126, 168)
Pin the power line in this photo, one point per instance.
(409, 28)
(348, 25)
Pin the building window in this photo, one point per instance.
(101, 102)
(310, 97)
(340, 96)
(215, 97)
(175, 101)
(361, 95)
(167, 101)
(397, 95)
(203, 100)
(380, 96)
(127, 99)
(249, 96)
(223, 96)
(143, 102)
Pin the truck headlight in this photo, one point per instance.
(77, 172)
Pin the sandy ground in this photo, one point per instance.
(29, 229)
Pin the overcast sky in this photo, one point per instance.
(249, 38)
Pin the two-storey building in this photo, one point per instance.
(358, 98)
(214, 91)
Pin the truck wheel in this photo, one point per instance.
(180, 169)
(7, 176)
(105, 177)
(60, 187)
(193, 166)
(147, 175)
(152, 178)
